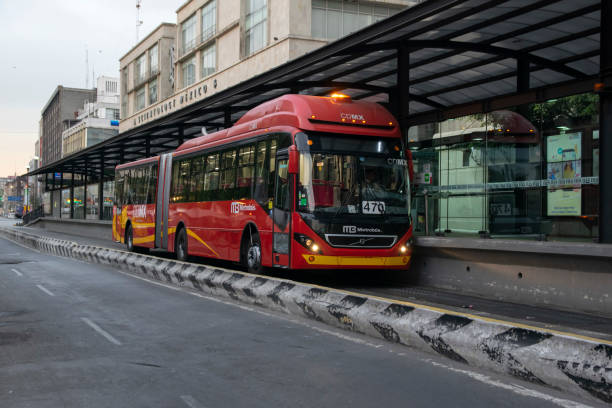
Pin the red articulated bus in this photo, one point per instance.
(300, 182)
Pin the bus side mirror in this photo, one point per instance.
(294, 160)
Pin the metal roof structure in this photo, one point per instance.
(438, 59)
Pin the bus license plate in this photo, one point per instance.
(373, 207)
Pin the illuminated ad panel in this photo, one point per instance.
(564, 163)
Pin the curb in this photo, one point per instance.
(579, 366)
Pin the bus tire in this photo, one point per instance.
(129, 238)
(180, 245)
(253, 253)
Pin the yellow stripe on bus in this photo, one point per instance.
(142, 240)
(356, 260)
(144, 225)
(194, 235)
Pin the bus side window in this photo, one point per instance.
(129, 177)
(211, 177)
(152, 185)
(228, 175)
(197, 168)
(272, 169)
(119, 188)
(175, 179)
(246, 162)
(282, 201)
(140, 185)
(183, 180)
(261, 174)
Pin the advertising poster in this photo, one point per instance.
(564, 202)
(564, 162)
(564, 147)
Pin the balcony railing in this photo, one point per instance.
(189, 46)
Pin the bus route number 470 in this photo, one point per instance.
(373, 207)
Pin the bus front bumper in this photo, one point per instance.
(365, 261)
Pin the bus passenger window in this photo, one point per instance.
(261, 175)
(152, 185)
(272, 169)
(228, 175)
(174, 185)
(211, 177)
(195, 184)
(246, 161)
(282, 200)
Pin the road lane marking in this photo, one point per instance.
(17, 272)
(514, 388)
(101, 331)
(190, 401)
(47, 291)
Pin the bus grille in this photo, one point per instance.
(361, 241)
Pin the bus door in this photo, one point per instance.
(162, 200)
(281, 227)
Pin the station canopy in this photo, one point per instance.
(438, 59)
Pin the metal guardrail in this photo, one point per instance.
(33, 215)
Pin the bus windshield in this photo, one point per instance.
(363, 182)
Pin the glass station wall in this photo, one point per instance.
(528, 172)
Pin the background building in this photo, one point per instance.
(59, 114)
(146, 70)
(221, 43)
(97, 121)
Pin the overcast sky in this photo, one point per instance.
(43, 45)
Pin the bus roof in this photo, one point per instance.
(138, 162)
(325, 114)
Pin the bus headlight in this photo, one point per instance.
(307, 242)
(403, 249)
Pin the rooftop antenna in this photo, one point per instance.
(86, 67)
(138, 20)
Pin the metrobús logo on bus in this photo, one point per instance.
(236, 207)
(139, 211)
(351, 116)
(352, 229)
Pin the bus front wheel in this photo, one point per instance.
(180, 246)
(253, 254)
(129, 238)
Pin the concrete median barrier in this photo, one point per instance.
(572, 363)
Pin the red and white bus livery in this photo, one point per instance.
(300, 182)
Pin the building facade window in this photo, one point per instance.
(112, 113)
(124, 93)
(188, 35)
(140, 70)
(255, 25)
(139, 101)
(208, 61)
(209, 20)
(154, 60)
(332, 19)
(153, 91)
(189, 75)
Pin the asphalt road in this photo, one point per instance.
(79, 335)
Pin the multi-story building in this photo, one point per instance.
(222, 43)
(58, 115)
(97, 121)
(146, 70)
